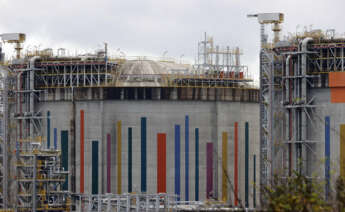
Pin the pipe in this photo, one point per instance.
(31, 88)
(5, 142)
(304, 44)
(304, 99)
(288, 93)
(287, 73)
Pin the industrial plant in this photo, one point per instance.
(93, 132)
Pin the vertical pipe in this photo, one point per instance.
(55, 138)
(143, 154)
(196, 164)
(64, 155)
(246, 164)
(129, 159)
(187, 158)
(48, 129)
(327, 155)
(81, 151)
(108, 163)
(254, 181)
(236, 164)
(225, 166)
(342, 151)
(177, 162)
(94, 180)
(161, 163)
(119, 142)
(209, 170)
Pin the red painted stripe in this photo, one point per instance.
(236, 164)
(81, 151)
(161, 163)
(108, 162)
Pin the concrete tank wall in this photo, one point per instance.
(316, 130)
(211, 117)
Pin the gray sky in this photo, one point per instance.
(150, 27)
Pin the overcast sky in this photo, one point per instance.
(150, 27)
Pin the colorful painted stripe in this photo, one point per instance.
(342, 150)
(94, 180)
(177, 161)
(209, 170)
(246, 174)
(129, 159)
(143, 155)
(48, 129)
(161, 163)
(55, 138)
(186, 158)
(254, 181)
(236, 164)
(196, 164)
(64, 155)
(82, 151)
(119, 142)
(108, 163)
(327, 155)
(224, 166)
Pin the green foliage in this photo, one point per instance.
(295, 193)
(340, 199)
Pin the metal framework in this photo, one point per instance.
(4, 138)
(145, 202)
(39, 176)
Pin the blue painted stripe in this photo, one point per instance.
(177, 161)
(327, 155)
(55, 138)
(143, 155)
(254, 180)
(48, 129)
(196, 164)
(187, 158)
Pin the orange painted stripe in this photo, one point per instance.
(338, 95)
(82, 151)
(236, 164)
(336, 79)
(161, 163)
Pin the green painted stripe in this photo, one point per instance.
(64, 155)
(129, 159)
(143, 155)
(196, 164)
(94, 189)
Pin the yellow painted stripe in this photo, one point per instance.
(118, 133)
(342, 150)
(225, 166)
